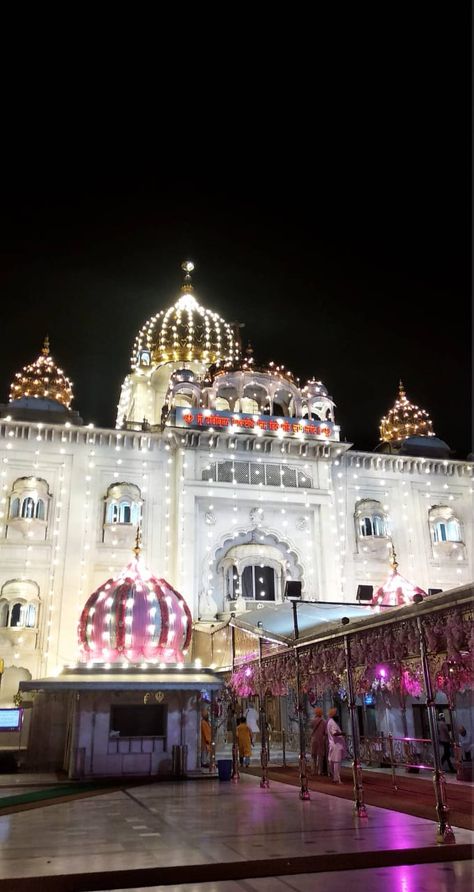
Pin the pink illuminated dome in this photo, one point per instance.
(135, 617)
(396, 590)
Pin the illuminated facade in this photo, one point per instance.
(238, 476)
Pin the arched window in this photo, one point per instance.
(19, 604)
(16, 615)
(440, 532)
(15, 507)
(125, 515)
(378, 525)
(28, 508)
(123, 509)
(447, 531)
(445, 527)
(29, 500)
(365, 526)
(371, 524)
(3, 614)
(30, 616)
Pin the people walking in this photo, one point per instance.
(336, 746)
(444, 738)
(245, 741)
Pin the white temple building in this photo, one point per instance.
(239, 479)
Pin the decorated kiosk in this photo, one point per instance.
(131, 705)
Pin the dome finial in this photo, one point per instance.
(187, 266)
(45, 350)
(401, 389)
(138, 541)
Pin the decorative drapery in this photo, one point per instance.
(386, 657)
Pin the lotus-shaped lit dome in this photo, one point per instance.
(135, 617)
(42, 380)
(405, 420)
(396, 590)
(185, 332)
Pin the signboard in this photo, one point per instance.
(11, 719)
(237, 423)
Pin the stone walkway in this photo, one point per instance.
(210, 832)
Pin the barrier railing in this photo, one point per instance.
(386, 751)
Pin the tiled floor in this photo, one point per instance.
(191, 823)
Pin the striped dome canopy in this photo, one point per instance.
(133, 618)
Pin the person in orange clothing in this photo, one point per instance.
(245, 742)
(206, 735)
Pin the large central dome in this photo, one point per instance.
(185, 332)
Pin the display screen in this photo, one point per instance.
(10, 719)
(138, 721)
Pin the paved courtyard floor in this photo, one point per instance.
(211, 835)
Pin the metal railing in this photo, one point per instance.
(386, 751)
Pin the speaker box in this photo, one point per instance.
(365, 592)
(292, 589)
(434, 591)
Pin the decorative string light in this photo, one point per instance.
(405, 420)
(42, 379)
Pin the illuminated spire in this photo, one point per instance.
(185, 332)
(393, 560)
(187, 266)
(405, 420)
(138, 542)
(42, 379)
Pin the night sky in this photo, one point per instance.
(331, 215)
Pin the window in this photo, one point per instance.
(123, 504)
(3, 614)
(254, 473)
(447, 531)
(29, 501)
(371, 523)
(16, 618)
(28, 508)
(30, 616)
(19, 604)
(258, 583)
(15, 507)
(372, 526)
(139, 721)
(39, 513)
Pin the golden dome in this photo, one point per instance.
(405, 420)
(185, 332)
(42, 380)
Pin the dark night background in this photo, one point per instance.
(326, 205)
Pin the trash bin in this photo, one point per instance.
(179, 760)
(224, 769)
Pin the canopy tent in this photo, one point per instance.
(276, 621)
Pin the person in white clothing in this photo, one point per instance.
(336, 746)
(251, 715)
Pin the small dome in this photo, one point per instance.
(314, 388)
(429, 447)
(135, 617)
(42, 380)
(405, 420)
(185, 332)
(396, 590)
